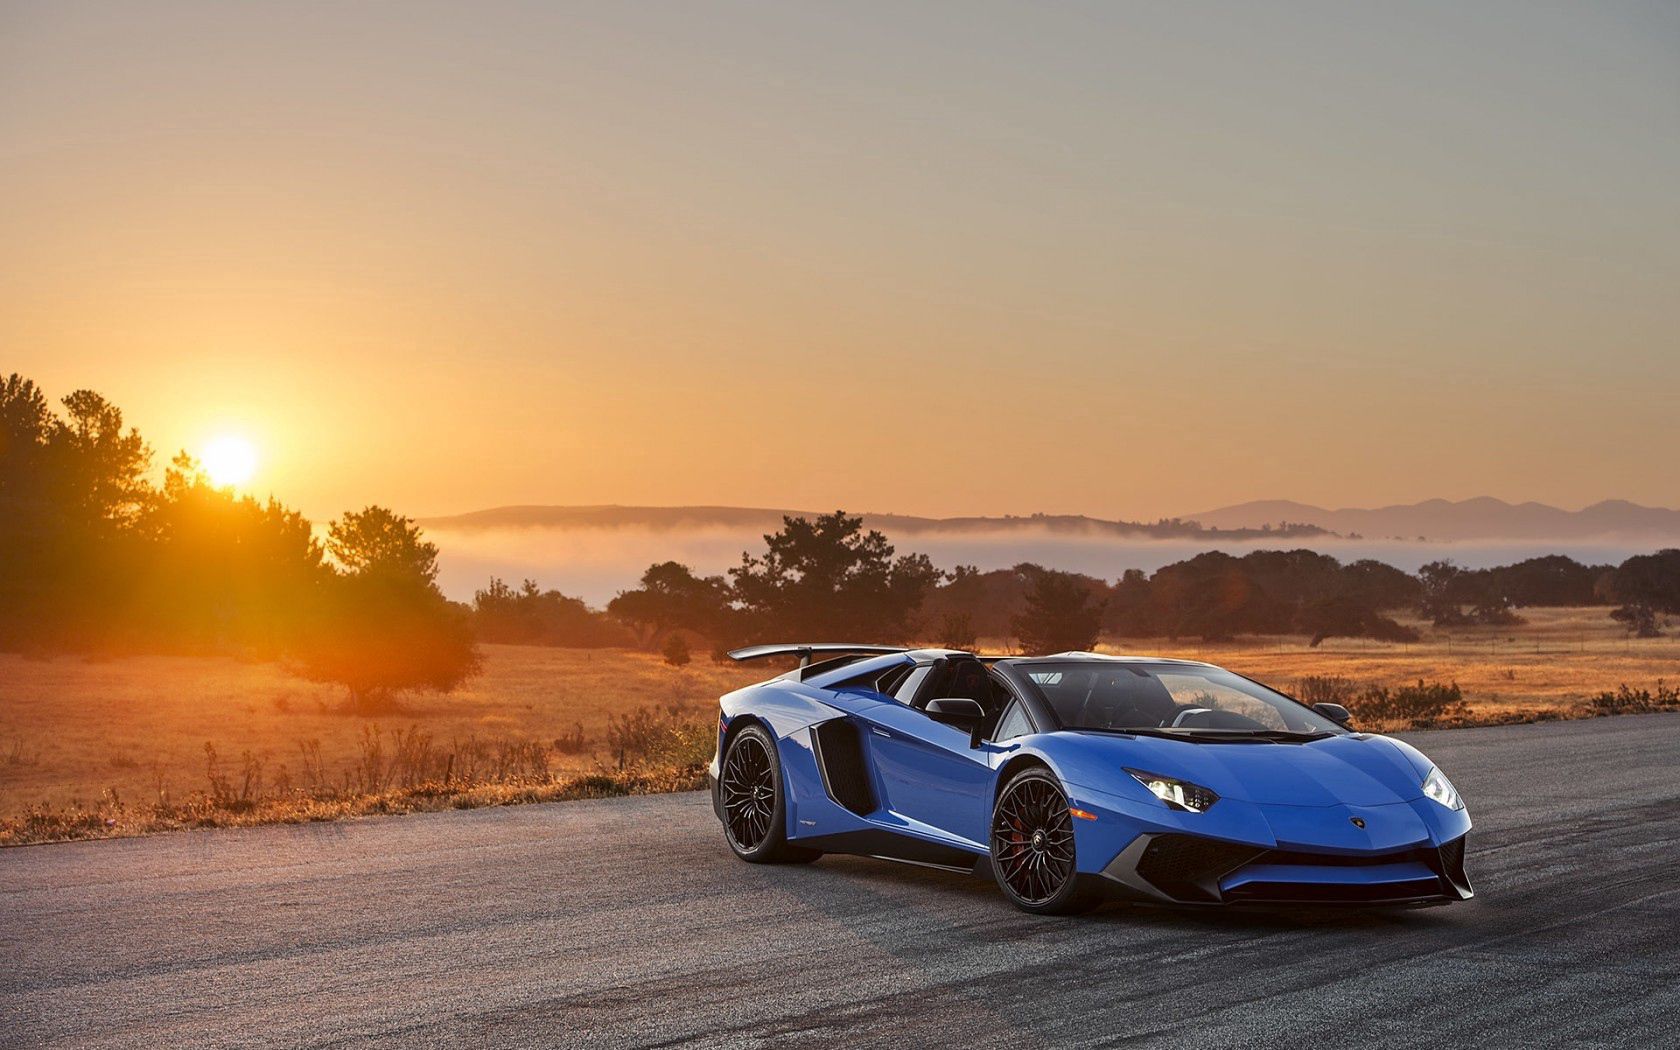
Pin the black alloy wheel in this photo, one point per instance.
(1033, 848)
(750, 790)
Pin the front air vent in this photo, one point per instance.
(1337, 892)
(1188, 868)
(839, 751)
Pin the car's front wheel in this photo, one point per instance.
(753, 799)
(1033, 848)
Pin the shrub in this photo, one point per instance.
(572, 743)
(1326, 689)
(1640, 619)
(675, 651)
(669, 738)
(1417, 705)
(1625, 701)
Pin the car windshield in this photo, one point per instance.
(1175, 699)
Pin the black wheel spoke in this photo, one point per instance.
(748, 792)
(1032, 840)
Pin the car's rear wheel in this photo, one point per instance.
(1033, 848)
(753, 799)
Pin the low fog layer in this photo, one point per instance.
(596, 563)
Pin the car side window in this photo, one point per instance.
(1013, 724)
(907, 690)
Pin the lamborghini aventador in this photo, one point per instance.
(1079, 777)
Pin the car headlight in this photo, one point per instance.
(1177, 794)
(1439, 788)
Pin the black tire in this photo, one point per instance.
(753, 802)
(1033, 849)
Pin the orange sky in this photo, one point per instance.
(1095, 259)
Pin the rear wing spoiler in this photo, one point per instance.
(805, 651)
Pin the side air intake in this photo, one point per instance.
(840, 757)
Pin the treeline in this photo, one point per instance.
(829, 579)
(98, 558)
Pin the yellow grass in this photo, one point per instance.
(72, 729)
(101, 743)
(1558, 659)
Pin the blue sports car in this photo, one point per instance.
(1079, 777)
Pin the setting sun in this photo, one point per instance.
(229, 460)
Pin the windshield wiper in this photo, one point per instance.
(1164, 732)
(1220, 735)
(1291, 736)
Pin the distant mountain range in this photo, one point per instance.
(1436, 520)
(894, 525)
(1442, 520)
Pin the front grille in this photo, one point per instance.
(1340, 860)
(1189, 868)
(1336, 892)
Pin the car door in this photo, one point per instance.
(933, 781)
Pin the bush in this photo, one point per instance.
(670, 738)
(1327, 689)
(573, 742)
(1418, 705)
(1625, 701)
(675, 651)
(1640, 619)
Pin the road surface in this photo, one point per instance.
(627, 923)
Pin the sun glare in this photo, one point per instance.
(229, 460)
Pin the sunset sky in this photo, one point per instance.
(1123, 260)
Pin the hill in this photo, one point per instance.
(1483, 518)
(894, 525)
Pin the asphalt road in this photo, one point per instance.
(627, 923)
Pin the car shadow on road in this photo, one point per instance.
(864, 874)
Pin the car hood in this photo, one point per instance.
(1357, 769)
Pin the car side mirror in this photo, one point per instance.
(959, 713)
(1334, 712)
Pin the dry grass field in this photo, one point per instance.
(1545, 667)
(144, 743)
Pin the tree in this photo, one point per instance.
(1061, 614)
(1639, 618)
(226, 572)
(830, 578)
(1439, 601)
(26, 427)
(71, 488)
(1381, 586)
(1130, 611)
(385, 626)
(1216, 596)
(1647, 586)
(672, 597)
(675, 651)
(956, 631)
(103, 466)
(1550, 580)
(530, 615)
(376, 542)
(1350, 615)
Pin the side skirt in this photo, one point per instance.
(889, 846)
